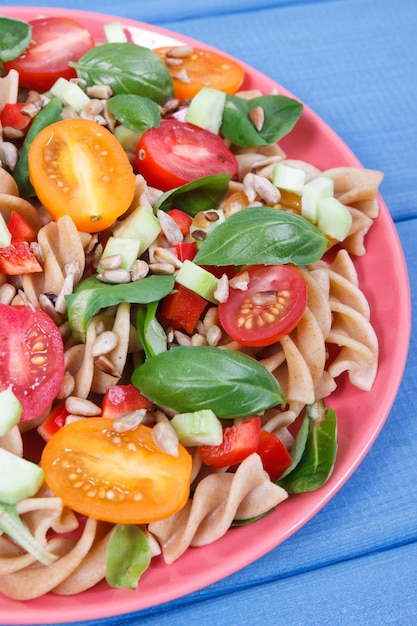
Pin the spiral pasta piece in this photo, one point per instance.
(218, 499)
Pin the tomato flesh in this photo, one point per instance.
(55, 42)
(271, 307)
(115, 477)
(78, 168)
(176, 153)
(31, 357)
(203, 68)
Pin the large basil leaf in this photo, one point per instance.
(128, 69)
(15, 37)
(135, 112)
(262, 235)
(317, 461)
(202, 194)
(280, 116)
(91, 295)
(190, 378)
(127, 556)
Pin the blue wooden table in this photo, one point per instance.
(354, 62)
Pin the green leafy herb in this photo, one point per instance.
(49, 114)
(317, 461)
(251, 520)
(199, 195)
(150, 331)
(135, 112)
(128, 555)
(190, 378)
(15, 37)
(12, 525)
(280, 116)
(128, 69)
(91, 295)
(262, 235)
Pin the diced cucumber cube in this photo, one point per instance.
(127, 138)
(288, 178)
(128, 248)
(314, 191)
(334, 218)
(198, 428)
(206, 109)
(197, 279)
(10, 411)
(19, 478)
(70, 94)
(141, 224)
(114, 33)
(5, 234)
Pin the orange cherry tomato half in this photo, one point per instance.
(55, 42)
(176, 153)
(78, 168)
(271, 307)
(202, 68)
(115, 477)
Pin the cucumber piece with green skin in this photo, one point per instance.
(334, 218)
(206, 109)
(10, 411)
(127, 138)
(5, 234)
(128, 248)
(19, 478)
(288, 178)
(114, 33)
(314, 191)
(141, 224)
(197, 279)
(198, 428)
(70, 94)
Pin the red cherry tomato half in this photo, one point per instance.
(32, 357)
(270, 308)
(55, 42)
(176, 153)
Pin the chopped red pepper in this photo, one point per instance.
(122, 399)
(239, 442)
(186, 250)
(20, 229)
(274, 455)
(54, 421)
(182, 220)
(182, 308)
(12, 117)
(17, 258)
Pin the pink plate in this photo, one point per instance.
(382, 272)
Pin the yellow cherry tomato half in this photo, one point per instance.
(201, 68)
(78, 168)
(115, 477)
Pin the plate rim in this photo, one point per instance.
(25, 613)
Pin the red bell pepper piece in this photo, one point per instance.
(54, 421)
(182, 220)
(122, 399)
(186, 250)
(17, 258)
(274, 455)
(20, 229)
(182, 308)
(12, 117)
(239, 442)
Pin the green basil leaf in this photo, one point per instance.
(128, 69)
(49, 114)
(91, 295)
(202, 194)
(251, 520)
(190, 378)
(262, 235)
(127, 556)
(317, 462)
(135, 112)
(281, 113)
(298, 447)
(150, 331)
(15, 36)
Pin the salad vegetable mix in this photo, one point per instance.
(177, 282)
